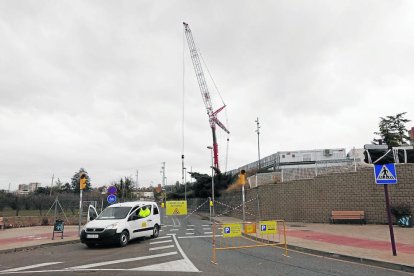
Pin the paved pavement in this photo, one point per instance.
(363, 243)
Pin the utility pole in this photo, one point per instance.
(258, 140)
(9, 187)
(185, 184)
(163, 174)
(182, 169)
(51, 186)
(137, 181)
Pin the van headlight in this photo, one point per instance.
(112, 226)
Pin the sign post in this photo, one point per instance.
(384, 175)
(242, 182)
(112, 194)
(82, 186)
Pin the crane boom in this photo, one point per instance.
(205, 94)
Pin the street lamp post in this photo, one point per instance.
(212, 177)
(185, 184)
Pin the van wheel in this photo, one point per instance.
(155, 232)
(123, 238)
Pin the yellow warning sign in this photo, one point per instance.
(231, 230)
(250, 228)
(268, 227)
(176, 208)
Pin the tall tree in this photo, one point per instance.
(75, 181)
(392, 130)
(124, 188)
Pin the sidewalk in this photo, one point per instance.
(370, 244)
(16, 239)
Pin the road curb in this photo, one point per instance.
(27, 248)
(338, 256)
(383, 264)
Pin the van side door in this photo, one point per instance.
(133, 223)
(145, 221)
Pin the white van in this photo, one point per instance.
(119, 223)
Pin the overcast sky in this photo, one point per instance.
(99, 84)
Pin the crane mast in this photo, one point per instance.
(205, 94)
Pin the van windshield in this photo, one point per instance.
(114, 213)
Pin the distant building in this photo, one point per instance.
(25, 189)
(411, 134)
(143, 195)
(296, 158)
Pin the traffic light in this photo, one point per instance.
(242, 177)
(82, 182)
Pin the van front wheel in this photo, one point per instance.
(123, 238)
(155, 232)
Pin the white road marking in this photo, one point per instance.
(163, 237)
(188, 263)
(208, 233)
(204, 229)
(158, 242)
(190, 229)
(206, 225)
(190, 225)
(206, 236)
(174, 266)
(161, 247)
(175, 229)
(167, 225)
(29, 267)
(123, 260)
(189, 233)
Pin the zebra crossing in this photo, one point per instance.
(164, 254)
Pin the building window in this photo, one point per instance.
(293, 155)
(283, 156)
(307, 157)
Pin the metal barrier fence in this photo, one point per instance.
(248, 235)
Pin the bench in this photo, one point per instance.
(348, 215)
(2, 224)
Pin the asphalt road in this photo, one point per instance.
(184, 247)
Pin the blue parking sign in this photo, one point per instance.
(227, 230)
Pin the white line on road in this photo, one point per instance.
(29, 267)
(164, 237)
(175, 229)
(190, 229)
(124, 260)
(189, 264)
(158, 242)
(192, 237)
(161, 247)
(189, 233)
(208, 232)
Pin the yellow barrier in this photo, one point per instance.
(248, 235)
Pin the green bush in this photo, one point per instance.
(402, 209)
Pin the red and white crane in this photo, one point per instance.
(205, 94)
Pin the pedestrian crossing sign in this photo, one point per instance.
(385, 174)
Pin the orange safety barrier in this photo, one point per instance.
(248, 235)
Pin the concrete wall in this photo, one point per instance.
(312, 200)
